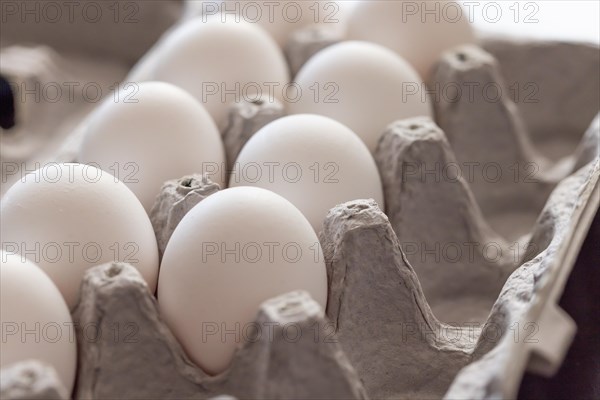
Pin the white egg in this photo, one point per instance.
(313, 161)
(234, 250)
(418, 31)
(69, 217)
(279, 18)
(155, 132)
(36, 323)
(362, 85)
(218, 63)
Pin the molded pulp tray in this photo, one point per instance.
(451, 293)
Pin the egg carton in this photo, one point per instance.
(398, 324)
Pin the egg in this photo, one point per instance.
(156, 132)
(218, 63)
(67, 218)
(280, 19)
(418, 31)
(36, 323)
(232, 251)
(313, 161)
(362, 85)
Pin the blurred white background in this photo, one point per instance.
(570, 20)
(550, 19)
